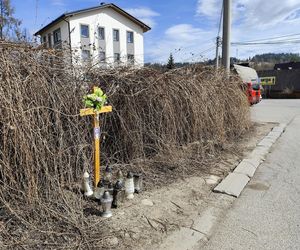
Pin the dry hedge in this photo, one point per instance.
(45, 145)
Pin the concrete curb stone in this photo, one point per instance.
(235, 182)
(278, 129)
(265, 143)
(245, 168)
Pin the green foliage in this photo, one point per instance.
(95, 100)
(171, 64)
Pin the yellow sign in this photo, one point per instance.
(269, 80)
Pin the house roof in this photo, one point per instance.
(144, 26)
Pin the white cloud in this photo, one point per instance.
(145, 14)
(58, 2)
(257, 19)
(209, 8)
(185, 42)
(265, 13)
(251, 11)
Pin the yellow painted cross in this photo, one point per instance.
(95, 113)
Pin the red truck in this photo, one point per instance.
(252, 82)
(253, 92)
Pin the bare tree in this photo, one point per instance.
(9, 25)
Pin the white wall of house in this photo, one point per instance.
(63, 25)
(109, 20)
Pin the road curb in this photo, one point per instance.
(235, 182)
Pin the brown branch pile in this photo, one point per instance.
(45, 146)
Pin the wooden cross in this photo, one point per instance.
(95, 113)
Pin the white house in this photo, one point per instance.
(105, 34)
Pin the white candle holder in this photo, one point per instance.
(106, 202)
(129, 186)
(88, 192)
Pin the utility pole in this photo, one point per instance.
(226, 34)
(217, 51)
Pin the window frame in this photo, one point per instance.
(117, 59)
(89, 53)
(99, 37)
(55, 37)
(44, 39)
(118, 35)
(130, 32)
(88, 30)
(49, 40)
(130, 60)
(103, 60)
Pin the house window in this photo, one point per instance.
(84, 30)
(85, 55)
(57, 36)
(130, 58)
(116, 35)
(44, 40)
(117, 57)
(49, 41)
(129, 37)
(102, 56)
(101, 33)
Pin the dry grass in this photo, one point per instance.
(45, 145)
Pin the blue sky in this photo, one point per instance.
(185, 28)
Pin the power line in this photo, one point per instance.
(200, 54)
(267, 43)
(271, 38)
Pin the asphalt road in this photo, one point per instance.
(267, 214)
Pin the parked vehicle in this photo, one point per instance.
(251, 81)
(253, 92)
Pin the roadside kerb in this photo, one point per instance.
(235, 182)
(246, 167)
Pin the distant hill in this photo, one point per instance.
(276, 58)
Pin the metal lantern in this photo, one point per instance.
(118, 194)
(138, 182)
(107, 180)
(129, 186)
(120, 176)
(108, 174)
(88, 192)
(106, 202)
(99, 191)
